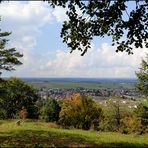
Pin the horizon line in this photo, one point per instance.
(73, 77)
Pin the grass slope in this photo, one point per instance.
(38, 134)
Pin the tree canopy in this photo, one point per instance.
(18, 95)
(8, 57)
(80, 112)
(50, 111)
(127, 25)
(142, 76)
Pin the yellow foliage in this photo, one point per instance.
(131, 124)
(79, 111)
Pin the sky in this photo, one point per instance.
(36, 27)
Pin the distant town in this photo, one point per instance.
(98, 95)
(59, 93)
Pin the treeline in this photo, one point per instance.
(83, 113)
(19, 100)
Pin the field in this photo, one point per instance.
(39, 134)
(67, 85)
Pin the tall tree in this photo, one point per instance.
(8, 57)
(142, 76)
(18, 95)
(126, 25)
(80, 112)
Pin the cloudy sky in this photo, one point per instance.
(35, 30)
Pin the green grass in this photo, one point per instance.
(39, 134)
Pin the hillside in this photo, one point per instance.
(33, 134)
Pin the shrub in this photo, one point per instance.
(50, 111)
(131, 125)
(113, 115)
(23, 113)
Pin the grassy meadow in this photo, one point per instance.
(40, 134)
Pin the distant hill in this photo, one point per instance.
(83, 80)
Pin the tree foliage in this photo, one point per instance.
(79, 112)
(50, 111)
(126, 25)
(142, 114)
(112, 115)
(142, 76)
(18, 95)
(8, 57)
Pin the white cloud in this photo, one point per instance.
(102, 62)
(60, 14)
(26, 21)
(36, 13)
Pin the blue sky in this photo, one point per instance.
(36, 29)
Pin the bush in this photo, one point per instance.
(50, 111)
(131, 125)
(113, 115)
(23, 113)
